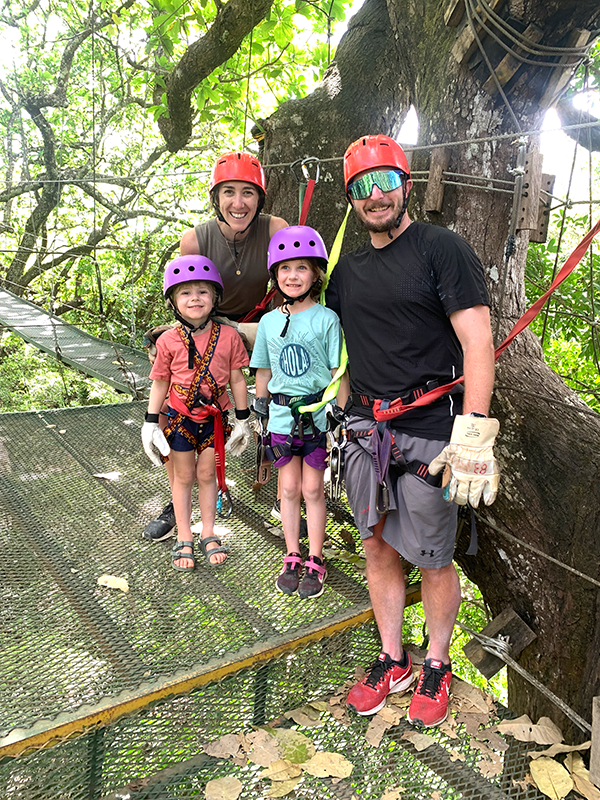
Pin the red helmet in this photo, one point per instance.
(238, 167)
(370, 152)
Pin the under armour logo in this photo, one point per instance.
(430, 554)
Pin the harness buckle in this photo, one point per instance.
(224, 509)
(382, 498)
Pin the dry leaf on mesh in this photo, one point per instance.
(417, 654)
(359, 675)
(319, 705)
(391, 714)
(456, 756)
(307, 716)
(525, 783)
(474, 744)
(108, 476)
(585, 787)
(448, 726)
(490, 768)
(223, 789)
(340, 715)
(555, 749)
(262, 747)
(281, 770)
(551, 778)
(393, 794)
(227, 746)
(436, 796)
(469, 698)
(399, 699)
(377, 727)
(523, 729)
(494, 739)
(472, 720)
(420, 741)
(294, 746)
(281, 788)
(328, 765)
(113, 582)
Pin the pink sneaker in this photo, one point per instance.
(385, 677)
(429, 706)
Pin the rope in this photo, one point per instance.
(501, 649)
(248, 79)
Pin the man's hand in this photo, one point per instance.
(149, 341)
(154, 442)
(470, 469)
(240, 437)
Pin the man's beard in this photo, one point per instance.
(380, 226)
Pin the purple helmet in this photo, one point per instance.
(297, 241)
(191, 268)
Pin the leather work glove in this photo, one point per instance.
(154, 442)
(149, 341)
(470, 469)
(240, 437)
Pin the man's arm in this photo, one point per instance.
(473, 328)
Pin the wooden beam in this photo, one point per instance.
(540, 234)
(508, 623)
(454, 12)
(561, 75)
(530, 194)
(509, 64)
(465, 45)
(434, 194)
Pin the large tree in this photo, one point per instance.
(398, 53)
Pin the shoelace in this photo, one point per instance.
(378, 670)
(432, 680)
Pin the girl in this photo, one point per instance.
(296, 352)
(194, 363)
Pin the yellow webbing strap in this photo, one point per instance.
(331, 391)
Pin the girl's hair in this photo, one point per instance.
(318, 270)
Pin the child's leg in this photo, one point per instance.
(290, 483)
(183, 477)
(316, 513)
(207, 499)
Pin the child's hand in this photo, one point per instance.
(154, 442)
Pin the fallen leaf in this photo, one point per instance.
(551, 778)
(474, 744)
(393, 794)
(294, 746)
(390, 714)
(262, 748)
(281, 770)
(448, 726)
(585, 787)
(307, 716)
(348, 539)
(63, 431)
(555, 749)
(547, 730)
(113, 582)
(400, 700)
(489, 769)
(281, 788)
(472, 721)
(574, 763)
(225, 747)
(108, 476)
(523, 729)
(223, 789)
(328, 765)
(469, 696)
(420, 741)
(436, 796)
(319, 705)
(377, 727)
(494, 738)
(456, 756)
(525, 783)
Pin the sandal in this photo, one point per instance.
(208, 553)
(177, 554)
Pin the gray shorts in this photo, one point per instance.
(420, 525)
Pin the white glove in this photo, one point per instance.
(240, 438)
(471, 471)
(154, 442)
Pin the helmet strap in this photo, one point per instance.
(192, 329)
(401, 215)
(289, 301)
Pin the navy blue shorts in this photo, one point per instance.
(200, 432)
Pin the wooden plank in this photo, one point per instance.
(434, 194)
(561, 75)
(540, 234)
(508, 623)
(530, 194)
(595, 752)
(509, 64)
(465, 44)
(454, 12)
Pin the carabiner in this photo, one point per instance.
(382, 498)
(229, 508)
(303, 164)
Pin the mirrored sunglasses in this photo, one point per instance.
(387, 180)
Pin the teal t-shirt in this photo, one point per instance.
(301, 362)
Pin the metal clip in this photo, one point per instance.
(382, 498)
(224, 514)
(304, 163)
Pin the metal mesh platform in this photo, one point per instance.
(122, 367)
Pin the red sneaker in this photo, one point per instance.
(385, 677)
(429, 706)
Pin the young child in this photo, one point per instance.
(297, 350)
(194, 363)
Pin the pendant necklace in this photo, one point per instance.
(236, 257)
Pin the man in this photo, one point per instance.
(415, 312)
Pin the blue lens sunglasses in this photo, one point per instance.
(386, 180)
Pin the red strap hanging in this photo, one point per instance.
(397, 407)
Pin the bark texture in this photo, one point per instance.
(395, 54)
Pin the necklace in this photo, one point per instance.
(237, 256)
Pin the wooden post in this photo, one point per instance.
(595, 752)
(434, 194)
(561, 75)
(509, 64)
(530, 195)
(465, 44)
(508, 623)
(540, 234)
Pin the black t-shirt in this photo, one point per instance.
(394, 304)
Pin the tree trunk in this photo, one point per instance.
(400, 53)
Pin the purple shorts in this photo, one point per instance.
(316, 457)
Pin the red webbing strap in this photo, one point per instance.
(310, 187)
(397, 407)
(259, 306)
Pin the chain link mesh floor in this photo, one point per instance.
(72, 648)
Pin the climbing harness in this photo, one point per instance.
(196, 400)
(304, 426)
